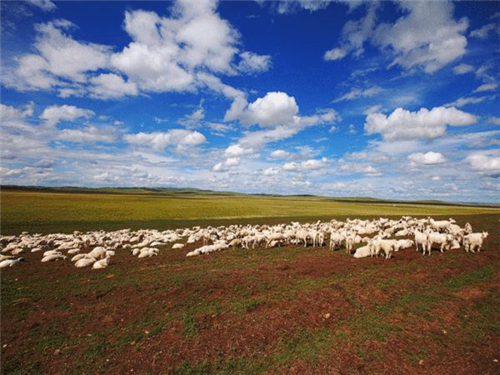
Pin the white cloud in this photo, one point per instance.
(487, 87)
(193, 120)
(429, 158)
(460, 102)
(45, 5)
(58, 58)
(463, 69)
(335, 54)
(494, 120)
(178, 53)
(180, 138)
(403, 124)
(484, 162)
(111, 86)
(289, 6)
(352, 129)
(484, 31)
(237, 150)
(226, 165)
(54, 114)
(427, 36)
(280, 154)
(360, 168)
(274, 109)
(356, 93)
(15, 118)
(89, 134)
(254, 63)
(271, 171)
(305, 166)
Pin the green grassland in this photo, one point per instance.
(47, 211)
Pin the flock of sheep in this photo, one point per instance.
(95, 249)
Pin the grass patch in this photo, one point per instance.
(190, 325)
(471, 278)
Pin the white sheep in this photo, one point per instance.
(178, 246)
(85, 262)
(100, 264)
(443, 240)
(10, 262)
(474, 240)
(362, 252)
(53, 257)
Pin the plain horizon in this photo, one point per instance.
(393, 99)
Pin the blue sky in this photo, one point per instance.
(341, 98)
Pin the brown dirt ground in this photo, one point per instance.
(283, 311)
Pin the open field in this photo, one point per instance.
(47, 212)
(289, 310)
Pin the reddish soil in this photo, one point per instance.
(283, 311)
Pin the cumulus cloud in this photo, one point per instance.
(59, 57)
(279, 114)
(182, 52)
(272, 110)
(180, 138)
(280, 154)
(427, 36)
(429, 158)
(484, 162)
(111, 86)
(226, 165)
(54, 114)
(237, 150)
(406, 125)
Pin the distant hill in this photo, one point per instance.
(183, 192)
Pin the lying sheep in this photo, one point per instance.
(362, 252)
(10, 262)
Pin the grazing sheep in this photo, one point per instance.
(443, 240)
(421, 240)
(378, 245)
